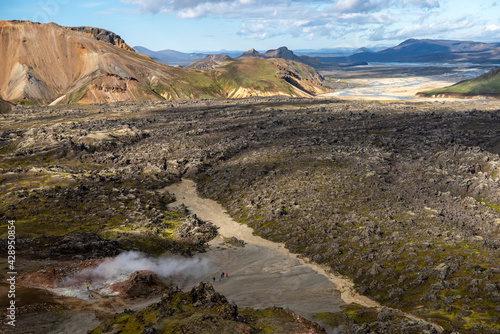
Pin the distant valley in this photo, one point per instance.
(170, 57)
(436, 57)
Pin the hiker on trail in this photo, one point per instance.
(88, 287)
(227, 275)
(214, 278)
(222, 275)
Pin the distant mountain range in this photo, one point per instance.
(409, 51)
(170, 57)
(48, 63)
(173, 57)
(427, 51)
(282, 53)
(214, 61)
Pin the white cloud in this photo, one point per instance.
(371, 19)
(436, 29)
(196, 7)
(486, 33)
(493, 27)
(257, 30)
(147, 6)
(360, 6)
(362, 18)
(423, 3)
(202, 10)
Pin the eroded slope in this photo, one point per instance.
(47, 63)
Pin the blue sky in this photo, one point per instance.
(212, 25)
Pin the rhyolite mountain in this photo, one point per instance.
(103, 35)
(48, 63)
(428, 50)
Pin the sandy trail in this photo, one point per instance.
(264, 273)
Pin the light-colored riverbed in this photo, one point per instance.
(389, 89)
(404, 88)
(264, 273)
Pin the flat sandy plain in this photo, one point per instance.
(398, 82)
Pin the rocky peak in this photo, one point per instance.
(282, 52)
(218, 57)
(363, 50)
(103, 35)
(251, 53)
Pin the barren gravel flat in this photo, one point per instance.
(391, 89)
(380, 89)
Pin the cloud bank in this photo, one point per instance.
(321, 19)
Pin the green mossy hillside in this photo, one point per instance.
(485, 84)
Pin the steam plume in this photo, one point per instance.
(118, 269)
(129, 262)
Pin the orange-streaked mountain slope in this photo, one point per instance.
(47, 63)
